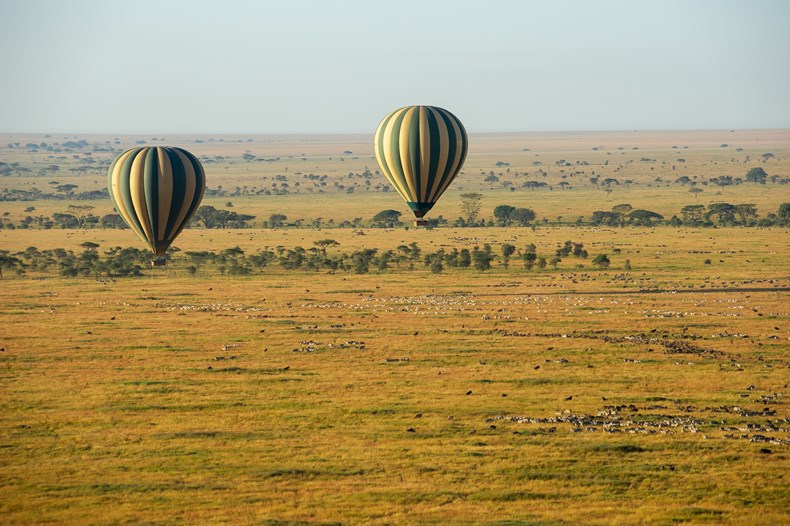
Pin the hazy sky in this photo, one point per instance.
(298, 66)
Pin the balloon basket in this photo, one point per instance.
(421, 222)
(159, 262)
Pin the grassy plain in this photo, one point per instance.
(572, 396)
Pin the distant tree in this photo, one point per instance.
(756, 175)
(601, 261)
(554, 262)
(386, 218)
(434, 261)
(507, 251)
(600, 217)
(529, 256)
(65, 220)
(784, 212)
(622, 209)
(113, 221)
(723, 180)
(324, 243)
(724, 213)
(693, 214)
(7, 261)
(361, 260)
(464, 258)
(277, 220)
(81, 212)
(571, 248)
(542, 263)
(644, 217)
(67, 189)
(470, 206)
(503, 214)
(207, 215)
(696, 192)
(482, 258)
(523, 216)
(746, 213)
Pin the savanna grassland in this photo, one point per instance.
(651, 391)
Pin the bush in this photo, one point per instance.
(601, 261)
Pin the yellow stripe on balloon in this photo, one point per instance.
(137, 191)
(189, 192)
(388, 156)
(116, 190)
(456, 162)
(405, 157)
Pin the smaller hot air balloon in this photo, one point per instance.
(420, 150)
(156, 190)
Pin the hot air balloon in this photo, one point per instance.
(156, 191)
(420, 149)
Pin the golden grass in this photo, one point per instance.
(294, 397)
(120, 404)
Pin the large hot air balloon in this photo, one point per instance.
(420, 149)
(156, 191)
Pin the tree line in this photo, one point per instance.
(621, 215)
(323, 256)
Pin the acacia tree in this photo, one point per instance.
(523, 216)
(470, 206)
(756, 175)
(386, 218)
(746, 211)
(693, 214)
(724, 212)
(504, 213)
(81, 212)
(277, 220)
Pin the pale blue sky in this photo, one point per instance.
(298, 66)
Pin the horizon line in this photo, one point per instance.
(590, 130)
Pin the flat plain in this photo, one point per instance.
(648, 393)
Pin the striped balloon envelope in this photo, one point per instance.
(156, 191)
(420, 149)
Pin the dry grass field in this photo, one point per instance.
(577, 395)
